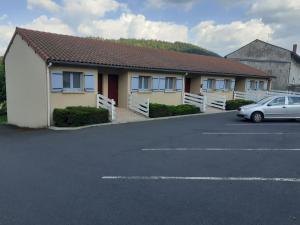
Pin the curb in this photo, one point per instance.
(139, 121)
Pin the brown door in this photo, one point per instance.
(113, 87)
(187, 87)
(100, 90)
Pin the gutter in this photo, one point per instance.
(63, 63)
(48, 95)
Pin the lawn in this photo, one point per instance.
(3, 119)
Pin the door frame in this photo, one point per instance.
(113, 90)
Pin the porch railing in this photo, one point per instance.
(196, 100)
(216, 101)
(139, 104)
(108, 104)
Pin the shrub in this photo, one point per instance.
(161, 110)
(3, 109)
(235, 104)
(79, 116)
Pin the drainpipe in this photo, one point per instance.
(48, 94)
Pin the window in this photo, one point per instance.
(261, 85)
(144, 83)
(211, 84)
(220, 85)
(228, 84)
(170, 83)
(72, 81)
(294, 100)
(278, 101)
(253, 85)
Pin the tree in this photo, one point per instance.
(2, 81)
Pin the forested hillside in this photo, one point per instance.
(176, 46)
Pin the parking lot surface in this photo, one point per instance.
(201, 170)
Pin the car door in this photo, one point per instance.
(276, 108)
(293, 107)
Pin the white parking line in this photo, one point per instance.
(263, 124)
(241, 133)
(264, 179)
(220, 149)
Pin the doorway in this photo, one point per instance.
(113, 87)
(187, 86)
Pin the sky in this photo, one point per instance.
(218, 25)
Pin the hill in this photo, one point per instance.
(176, 46)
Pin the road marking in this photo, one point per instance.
(263, 124)
(220, 149)
(265, 179)
(240, 133)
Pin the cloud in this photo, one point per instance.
(134, 26)
(91, 8)
(186, 4)
(55, 25)
(48, 5)
(3, 17)
(6, 33)
(225, 38)
(282, 16)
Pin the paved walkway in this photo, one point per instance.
(210, 110)
(126, 115)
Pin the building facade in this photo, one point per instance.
(281, 63)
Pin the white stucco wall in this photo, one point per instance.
(26, 86)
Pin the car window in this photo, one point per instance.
(264, 100)
(278, 101)
(294, 100)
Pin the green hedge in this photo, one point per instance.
(160, 110)
(3, 109)
(235, 104)
(79, 116)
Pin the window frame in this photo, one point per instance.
(142, 87)
(173, 79)
(270, 103)
(71, 88)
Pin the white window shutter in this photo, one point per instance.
(89, 83)
(134, 83)
(232, 85)
(205, 85)
(155, 83)
(248, 85)
(56, 81)
(179, 84)
(162, 83)
(266, 85)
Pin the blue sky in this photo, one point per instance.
(218, 25)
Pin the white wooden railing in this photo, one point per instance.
(250, 95)
(138, 104)
(196, 100)
(258, 95)
(216, 101)
(108, 104)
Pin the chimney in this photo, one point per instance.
(295, 48)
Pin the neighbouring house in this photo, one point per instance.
(45, 71)
(281, 63)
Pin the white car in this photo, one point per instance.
(275, 107)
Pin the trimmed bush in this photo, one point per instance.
(79, 116)
(161, 110)
(235, 104)
(3, 109)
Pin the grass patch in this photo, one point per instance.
(3, 119)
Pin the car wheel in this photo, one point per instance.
(257, 117)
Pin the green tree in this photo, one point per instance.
(2, 81)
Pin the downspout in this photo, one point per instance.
(183, 87)
(48, 95)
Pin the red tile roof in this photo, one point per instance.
(58, 48)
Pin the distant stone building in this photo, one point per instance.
(276, 61)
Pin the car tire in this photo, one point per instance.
(257, 117)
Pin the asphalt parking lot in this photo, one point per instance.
(202, 170)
